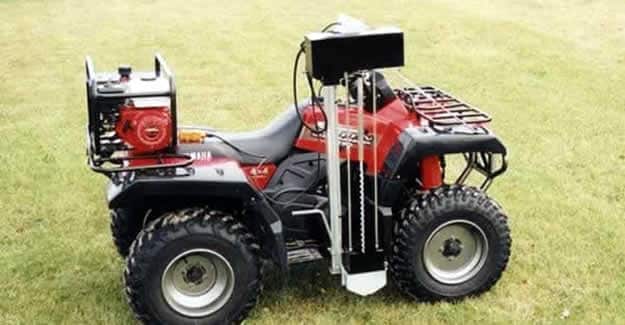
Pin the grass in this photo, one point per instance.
(551, 73)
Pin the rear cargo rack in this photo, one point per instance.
(440, 108)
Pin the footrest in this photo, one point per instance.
(303, 255)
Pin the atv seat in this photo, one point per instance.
(274, 142)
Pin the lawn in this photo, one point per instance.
(552, 73)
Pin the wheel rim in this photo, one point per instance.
(455, 251)
(197, 282)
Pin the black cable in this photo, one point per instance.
(314, 101)
(231, 145)
(239, 150)
(325, 29)
(316, 129)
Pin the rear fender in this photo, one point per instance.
(219, 184)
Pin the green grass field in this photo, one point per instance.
(552, 73)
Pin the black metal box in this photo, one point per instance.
(330, 55)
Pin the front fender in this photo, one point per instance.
(418, 142)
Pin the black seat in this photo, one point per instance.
(274, 142)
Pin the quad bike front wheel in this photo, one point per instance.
(449, 243)
(194, 266)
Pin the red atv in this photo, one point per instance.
(195, 210)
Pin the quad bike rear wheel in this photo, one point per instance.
(449, 243)
(125, 225)
(193, 266)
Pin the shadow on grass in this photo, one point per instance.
(312, 283)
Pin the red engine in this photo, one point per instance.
(145, 125)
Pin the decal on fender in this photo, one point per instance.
(348, 135)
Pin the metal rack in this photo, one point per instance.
(440, 108)
(485, 164)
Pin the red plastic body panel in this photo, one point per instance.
(392, 119)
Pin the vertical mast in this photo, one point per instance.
(351, 50)
(334, 176)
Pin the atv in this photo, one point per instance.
(359, 179)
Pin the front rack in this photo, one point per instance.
(485, 164)
(440, 108)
